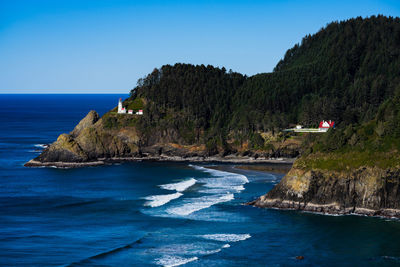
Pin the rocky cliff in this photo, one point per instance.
(368, 191)
(89, 142)
(115, 137)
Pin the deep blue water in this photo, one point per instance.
(119, 215)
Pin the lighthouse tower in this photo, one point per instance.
(121, 109)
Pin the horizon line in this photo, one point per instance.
(62, 93)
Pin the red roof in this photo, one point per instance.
(327, 124)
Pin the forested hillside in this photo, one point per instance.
(191, 99)
(344, 73)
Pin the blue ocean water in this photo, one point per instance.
(156, 214)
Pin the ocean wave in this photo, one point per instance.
(393, 258)
(80, 203)
(180, 186)
(209, 252)
(179, 254)
(34, 151)
(170, 261)
(196, 204)
(220, 173)
(219, 188)
(42, 145)
(227, 237)
(159, 200)
(222, 189)
(105, 253)
(227, 180)
(188, 249)
(221, 181)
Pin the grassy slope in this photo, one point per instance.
(366, 145)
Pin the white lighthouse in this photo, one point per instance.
(121, 109)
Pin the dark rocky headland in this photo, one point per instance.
(348, 72)
(91, 144)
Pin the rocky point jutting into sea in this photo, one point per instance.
(364, 191)
(91, 143)
(348, 72)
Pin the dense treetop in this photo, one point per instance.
(342, 73)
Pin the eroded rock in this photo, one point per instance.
(367, 191)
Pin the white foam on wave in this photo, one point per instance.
(171, 261)
(34, 151)
(41, 145)
(227, 237)
(220, 173)
(179, 254)
(159, 200)
(222, 181)
(208, 252)
(180, 186)
(188, 249)
(196, 204)
(219, 188)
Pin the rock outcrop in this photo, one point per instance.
(88, 142)
(115, 137)
(91, 118)
(367, 191)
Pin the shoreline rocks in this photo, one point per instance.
(59, 164)
(103, 161)
(325, 209)
(365, 191)
(112, 138)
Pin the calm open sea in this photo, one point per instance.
(149, 214)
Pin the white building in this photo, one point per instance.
(324, 126)
(121, 109)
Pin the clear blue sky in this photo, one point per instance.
(82, 46)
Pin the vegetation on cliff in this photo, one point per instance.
(374, 143)
(193, 101)
(343, 72)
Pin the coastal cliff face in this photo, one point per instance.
(368, 191)
(115, 137)
(89, 141)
